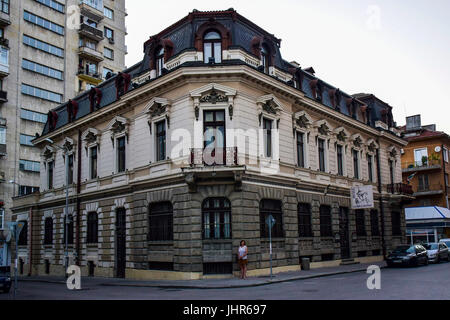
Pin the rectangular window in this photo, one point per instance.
(326, 229)
(26, 190)
(423, 182)
(93, 163)
(421, 157)
(268, 137)
(68, 227)
(30, 166)
(374, 223)
(92, 228)
(304, 220)
(396, 224)
(70, 177)
(109, 33)
(370, 167)
(43, 46)
(300, 150)
(108, 53)
(33, 116)
(267, 208)
(4, 58)
(356, 164)
(41, 93)
(48, 231)
(2, 135)
(340, 161)
(161, 140)
(214, 137)
(321, 143)
(2, 218)
(44, 23)
(50, 167)
(106, 71)
(445, 152)
(446, 179)
(108, 13)
(41, 69)
(52, 4)
(391, 171)
(4, 6)
(96, 4)
(160, 222)
(26, 140)
(360, 223)
(121, 157)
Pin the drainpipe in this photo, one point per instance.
(30, 249)
(78, 251)
(380, 191)
(445, 183)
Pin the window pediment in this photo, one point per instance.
(341, 134)
(69, 144)
(322, 127)
(357, 140)
(117, 126)
(49, 153)
(213, 93)
(372, 146)
(158, 107)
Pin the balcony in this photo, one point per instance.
(4, 19)
(429, 190)
(410, 167)
(89, 76)
(90, 32)
(400, 189)
(90, 54)
(89, 10)
(213, 157)
(3, 96)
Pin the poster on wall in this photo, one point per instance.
(362, 197)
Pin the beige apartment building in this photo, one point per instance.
(174, 161)
(51, 51)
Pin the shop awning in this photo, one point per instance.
(427, 213)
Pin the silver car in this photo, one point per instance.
(437, 252)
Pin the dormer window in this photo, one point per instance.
(159, 57)
(212, 47)
(265, 59)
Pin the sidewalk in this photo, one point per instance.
(213, 283)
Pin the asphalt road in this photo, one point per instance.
(422, 283)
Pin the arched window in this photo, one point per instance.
(216, 218)
(212, 46)
(160, 221)
(92, 228)
(265, 58)
(48, 231)
(159, 58)
(267, 208)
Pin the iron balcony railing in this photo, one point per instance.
(214, 157)
(91, 31)
(400, 188)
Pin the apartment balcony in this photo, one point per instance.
(90, 54)
(410, 167)
(87, 9)
(91, 77)
(429, 190)
(3, 96)
(213, 157)
(400, 189)
(90, 32)
(5, 20)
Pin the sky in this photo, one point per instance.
(396, 50)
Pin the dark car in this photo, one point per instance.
(5, 279)
(437, 252)
(408, 256)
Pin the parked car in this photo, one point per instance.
(5, 279)
(437, 252)
(446, 241)
(408, 256)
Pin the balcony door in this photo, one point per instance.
(214, 137)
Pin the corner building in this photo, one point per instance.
(178, 158)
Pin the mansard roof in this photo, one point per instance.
(237, 33)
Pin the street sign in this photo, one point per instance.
(270, 221)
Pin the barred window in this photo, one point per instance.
(92, 227)
(374, 223)
(396, 224)
(216, 218)
(48, 231)
(271, 207)
(68, 228)
(360, 223)
(304, 220)
(326, 229)
(160, 222)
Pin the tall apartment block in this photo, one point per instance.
(50, 51)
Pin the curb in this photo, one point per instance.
(175, 286)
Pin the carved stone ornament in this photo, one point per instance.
(302, 121)
(157, 109)
(341, 136)
(357, 142)
(68, 145)
(270, 107)
(48, 154)
(91, 137)
(393, 153)
(213, 97)
(323, 129)
(372, 147)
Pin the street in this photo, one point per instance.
(422, 283)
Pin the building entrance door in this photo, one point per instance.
(343, 233)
